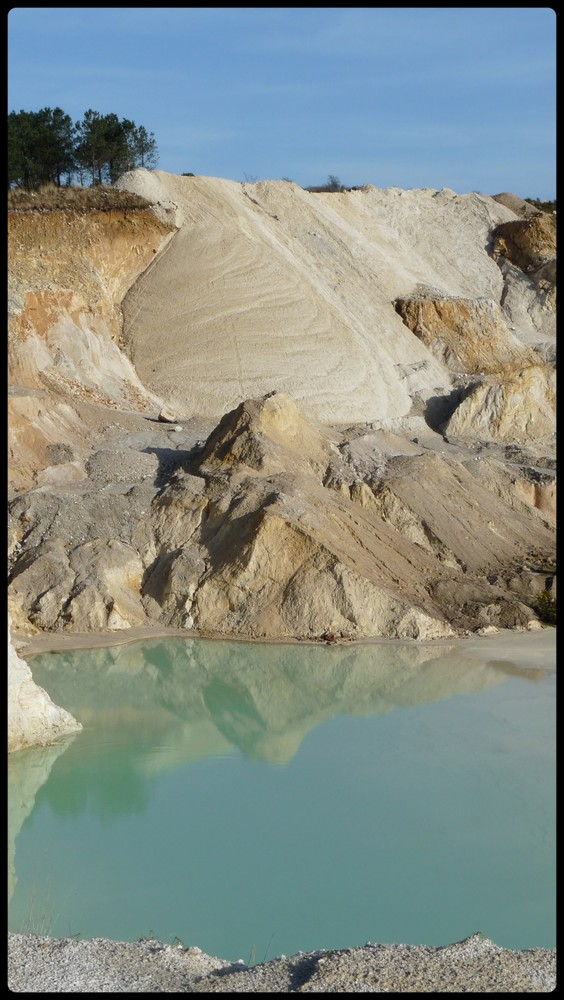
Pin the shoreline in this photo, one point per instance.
(474, 965)
(60, 642)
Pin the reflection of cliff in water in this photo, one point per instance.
(201, 697)
(28, 770)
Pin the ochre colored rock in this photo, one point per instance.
(468, 335)
(527, 243)
(520, 407)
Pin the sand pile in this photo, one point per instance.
(292, 291)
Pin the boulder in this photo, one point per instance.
(33, 719)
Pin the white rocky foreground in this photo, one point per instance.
(33, 719)
(475, 965)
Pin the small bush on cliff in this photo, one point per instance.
(333, 185)
(545, 607)
(543, 206)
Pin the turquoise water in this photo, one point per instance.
(257, 800)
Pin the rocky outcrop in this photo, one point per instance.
(467, 335)
(270, 529)
(37, 422)
(514, 398)
(527, 243)
(516, 408)
(33, 719)
(67, 277)
(68, 274)
(529, 303)
(269, 435)
(525, 251)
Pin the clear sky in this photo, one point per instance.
(408, 97)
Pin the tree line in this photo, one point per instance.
(46, 146)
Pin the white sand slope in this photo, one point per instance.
(292, 291)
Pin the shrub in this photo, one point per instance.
(543, 206)
(333, 184)
(545, 607)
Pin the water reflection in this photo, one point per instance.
(249, 754)
(28, 771)
(263, 700)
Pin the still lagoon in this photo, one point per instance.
(257, 800)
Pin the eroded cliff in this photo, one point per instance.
(360, 399)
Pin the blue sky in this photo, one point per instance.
(408, 97)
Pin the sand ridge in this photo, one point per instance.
(293, 291)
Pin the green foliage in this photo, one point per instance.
(40, 147)
(543, 206)
(44, 146)
(106, 147)
(143, 146)
(334, 185)
(545, 607)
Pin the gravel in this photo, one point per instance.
(476, 965)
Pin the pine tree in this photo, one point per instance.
(44, 145)
(40, 147)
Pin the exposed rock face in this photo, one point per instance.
(527, 243)
(525, 250)
(467, 335)
(294, 292)
(517, 402)
(68, 274)
(33, 719)
(269, 435)
(272, 530)
(517, 408)
(374, 492)
(37, 422)
(529, 303)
